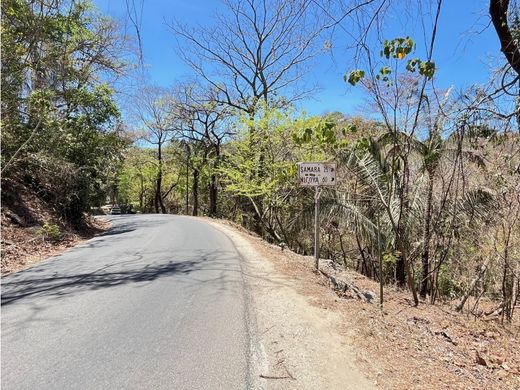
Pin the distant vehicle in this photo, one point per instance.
(115, 210)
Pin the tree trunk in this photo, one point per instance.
(361, 252)
(263, 223)
(425, 257)
(472, 285)
(508, 278)
(156, 198)
(498, 10)
(403, 271)
(213, 196)
(400, 272)
(213, 186)
(258, 227)
(141, 192)
(195, 189)
(258, 206)
(159, 204)
(407, 267)
(411, 281)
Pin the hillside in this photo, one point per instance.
(403, 347)
(31, 229)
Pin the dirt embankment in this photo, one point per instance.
(315, 339)
(31, 231)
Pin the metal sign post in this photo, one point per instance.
(381, 282)
(317, 175)
(317, 194)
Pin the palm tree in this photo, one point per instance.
(378, 175)
(431, 152)
(377, 178)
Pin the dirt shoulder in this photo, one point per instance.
(32, 230)
(302, 345)
(314, 339)
(24, 246)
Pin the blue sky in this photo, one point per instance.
(466, 49)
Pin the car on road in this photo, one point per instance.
(115, 210)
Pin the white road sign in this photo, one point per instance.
(315, 174)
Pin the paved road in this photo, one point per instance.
(159, 302)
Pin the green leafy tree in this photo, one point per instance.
(260, 165)
(57, 114)
(136, 179)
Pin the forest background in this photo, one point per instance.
(428, 172)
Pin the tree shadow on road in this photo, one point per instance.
(220, 268)
(67, 283)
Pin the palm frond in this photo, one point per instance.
(479, 202)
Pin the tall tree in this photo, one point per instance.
(501, 12)
(57, 113)
(154, 109)
(137, 179)
(204, 121)
(257, 50)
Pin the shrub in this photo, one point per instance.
(50, 231)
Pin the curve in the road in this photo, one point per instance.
(158, 302)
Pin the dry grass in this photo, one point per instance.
(403, 347)
(24, 245)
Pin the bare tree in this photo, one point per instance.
(203, 121)
(154, 110)
(257, 51)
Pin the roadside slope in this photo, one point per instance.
(335, 342)
(31, 230)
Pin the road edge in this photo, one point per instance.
(257, 359)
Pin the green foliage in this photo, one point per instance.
(57, 114)
(396, 49)
(324, 133)
(258, 163)
(314, 129)
(349, 128)
(355, 76)
(389, 262)
(425, 68)
(384, 72)
(302, 135)
(50, 231)
(447, 283)
(136, 180)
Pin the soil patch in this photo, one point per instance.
(401, 347)
(24, 246)
(31, 230)
(300, 343)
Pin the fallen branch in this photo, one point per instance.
(276, 377)
(447, 337)
(340, 283)
(495, 312)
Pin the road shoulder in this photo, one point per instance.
(299, 342)
(25, 247)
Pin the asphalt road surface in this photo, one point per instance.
(158, 302)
